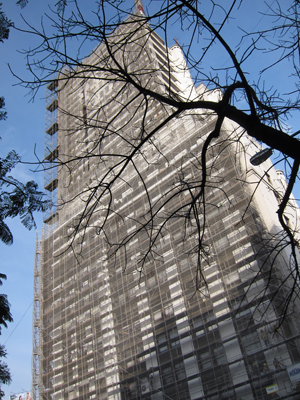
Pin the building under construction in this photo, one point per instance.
(133, 300)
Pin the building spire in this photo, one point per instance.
(139, 9)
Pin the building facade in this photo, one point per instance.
(121, 308)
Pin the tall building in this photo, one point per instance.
(124, 312)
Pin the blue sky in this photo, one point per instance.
(23, 130)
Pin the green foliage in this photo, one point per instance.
(5, 316)
(17, 199)
(22, 3)
(5, 377)
(3, 114)
(5, 24)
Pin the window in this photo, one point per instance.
(219, 355)
(179, 371)
(163, 349)
(251, 342)
(173, 335)
(167, 375)
(167, 340)
(206, 360)
(244, 319)
(161, 338)
(169, 310)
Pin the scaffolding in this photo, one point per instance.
(51, 156)
(37, 324)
